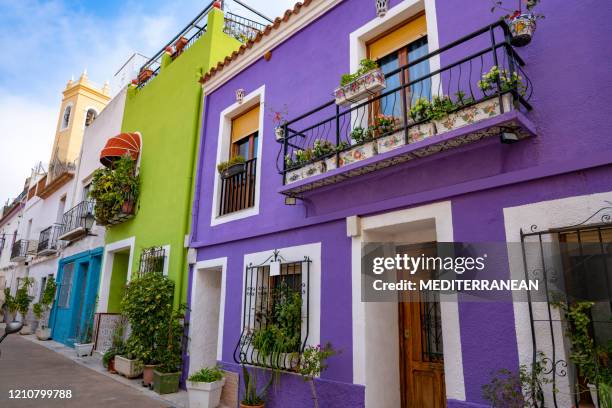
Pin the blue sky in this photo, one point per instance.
(44, 43)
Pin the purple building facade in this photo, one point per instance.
(454, 185)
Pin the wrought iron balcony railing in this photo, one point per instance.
(48, 241)
(238, 190)
(77, 221)
(482, 77)
(22, 248)
(241, 28)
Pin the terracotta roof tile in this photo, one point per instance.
(249, 44)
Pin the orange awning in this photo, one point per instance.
(120, 145)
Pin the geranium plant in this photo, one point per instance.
(365, 66)
(507, 81)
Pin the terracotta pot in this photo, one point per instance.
(147, 374)
(127, 207)
(145, 75)
(180, 44)
(111, 365)
(252, 406)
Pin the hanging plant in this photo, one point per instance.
(115, 190)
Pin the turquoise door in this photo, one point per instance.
(75, 302)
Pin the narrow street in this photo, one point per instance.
(25, 365)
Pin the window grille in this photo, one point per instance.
(66, 286)
(275, 314)
(152, 260)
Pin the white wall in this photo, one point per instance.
(8, 227)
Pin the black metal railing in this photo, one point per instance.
(455, 87)
(77, 217)
(241, 28)
(58, 167)
(152, 260)
(23, 248)
(276, 301)
(238, 191)
(48, 238)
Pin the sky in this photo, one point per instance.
(45, 43)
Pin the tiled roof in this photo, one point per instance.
(278, 22)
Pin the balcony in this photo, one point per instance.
(238, 190)
(482, 91)
(77, 221)
(22, 249)
(241, 28)
(48, 243)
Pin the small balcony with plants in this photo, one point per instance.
(22, 249)
(48, 242)
(115, 190)
(380, 119)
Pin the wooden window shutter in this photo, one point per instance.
(398, 38)
(245, 124)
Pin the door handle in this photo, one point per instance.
(406, 334)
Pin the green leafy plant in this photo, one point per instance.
(420, 110)
(169, 341)
(520, 389)
(507, 81)
(221, 167)
(112, 187)
(10, 302)
(361, 135)
(146, 303)
(530, 5)
(322, 148)
(252, 395)
(22, 298)
(365, 66)
(117, 347)
(43, 307)
(441, 106)
(207, 375)
(384, 124)
(461, 99)
(37, 309)
(312, 364)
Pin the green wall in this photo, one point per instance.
(120, 266)
(166, 112)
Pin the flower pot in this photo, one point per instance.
(252, 406)
(127, 207)
(472, 114)
(43, 333)
(279, 132)
(165, 383)
(522, 28)
(233, 170)
(83, 349)
(421, 132)
(111, 366)
(313, 169)
(144, 75)
(388, 143)
(180, 44)
(26, 329)
(204, 395)
(128, 368)
(369, 83)
(357, 153)
(147, 374)
(294, 175)
(330, 163)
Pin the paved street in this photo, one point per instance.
(25, 365)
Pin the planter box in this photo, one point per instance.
(128, 368)
(357, 153)
(472, 114)
(294, 175)
(43, 334)
(364, 86)
(204, 395)
(421, 132)
(388, 143)
(165, 383)
(25, 330)
(233, 170)
(330, 163)
(83, 349)
(313, 169)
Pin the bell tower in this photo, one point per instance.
(82, 101)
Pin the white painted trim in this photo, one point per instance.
(441, 214)
(268, 42)
(257, 97)
(107, 269)
(296, 253)
(202, 266)
(166, 259)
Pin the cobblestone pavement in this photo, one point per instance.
(25, 365)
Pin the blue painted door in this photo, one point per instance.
(76, 299)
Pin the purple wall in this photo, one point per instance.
(568, 63)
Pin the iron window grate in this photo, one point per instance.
(152, 260)
(276, 313)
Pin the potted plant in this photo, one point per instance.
(324, 150)
(354, 87)
(85, 345)
(521, 25)
(364, 146)
(11, 305)
(312, 364)
(115, 191)
(180, 44)
(235, 165)
(252, 396)
(145, 75)
(117, 347)
(386, 134)
(295, 164)
(420, 125)
(128, 365)
(278, 120)
(41, 309)
(204, 387)
(23, 300)
(169, 338)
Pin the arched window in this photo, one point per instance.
(66, 117)
(90, 116)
